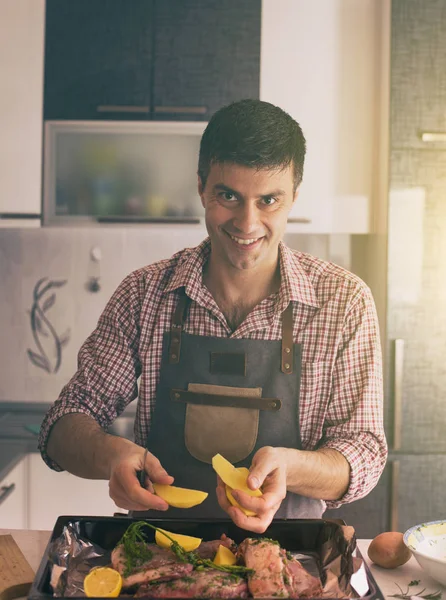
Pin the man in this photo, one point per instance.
(269, 356)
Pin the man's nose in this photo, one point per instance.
(247, 218)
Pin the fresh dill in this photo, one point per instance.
(134, 542)
(135, 548)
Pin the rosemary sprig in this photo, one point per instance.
(133, 552)
(406, 595)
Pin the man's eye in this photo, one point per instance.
(228, 196)
(269, 200)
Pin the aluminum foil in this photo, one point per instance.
(72, 558)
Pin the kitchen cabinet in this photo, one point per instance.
(207, 55)
(21, 99)
(326, 63)
(169, 59)
(98, 59)
(13, 497)
(419, 83)
(52, 494)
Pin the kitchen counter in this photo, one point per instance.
(33, 544)
(19, 430)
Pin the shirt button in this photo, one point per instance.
(174, 355)
(287, 366)
(287, 350)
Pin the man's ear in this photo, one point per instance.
(201, 190)
(296, 193)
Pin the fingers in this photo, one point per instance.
(264, 462)
(156, 471)
(125, 489)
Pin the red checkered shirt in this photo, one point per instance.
(341, 393)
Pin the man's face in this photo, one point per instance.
(246, 212)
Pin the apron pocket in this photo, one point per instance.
(210, 430)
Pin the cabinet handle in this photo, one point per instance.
(5, 491)
(433, 136)
(192, 110)
(398, 393)
(394, 488)
(122, 109)
(298, 220)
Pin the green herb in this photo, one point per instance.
(406, 595)
(265, 539)
(132, 550)
(135, 548)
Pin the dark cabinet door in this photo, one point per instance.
(207, 55)
(418, 88)
(98, 57)
(369, 516)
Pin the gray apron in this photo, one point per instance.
(227, 396)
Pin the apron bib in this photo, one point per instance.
(226, 396)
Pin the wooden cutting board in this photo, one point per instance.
(16, 575)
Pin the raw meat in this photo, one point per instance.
(264, 556)
(199, 584)
(163, 565)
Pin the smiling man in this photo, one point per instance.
(242, 347)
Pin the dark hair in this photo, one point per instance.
(255, 134)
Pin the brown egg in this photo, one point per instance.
(388, 550)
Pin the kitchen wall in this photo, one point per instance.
(48, 297)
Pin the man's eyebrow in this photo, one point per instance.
(225, 188)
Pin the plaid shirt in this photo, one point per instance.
(341, 397)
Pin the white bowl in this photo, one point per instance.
(428, 544)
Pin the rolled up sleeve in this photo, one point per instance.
(108, 367)
(354, 420)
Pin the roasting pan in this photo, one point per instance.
(296, 535)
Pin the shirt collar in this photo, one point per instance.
(295, 283)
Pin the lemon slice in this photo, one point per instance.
(103, 582)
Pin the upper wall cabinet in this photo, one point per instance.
(326, 63)
(149, 59)
(207, 55)
(21, 69)
(98, 59)
(418, 73)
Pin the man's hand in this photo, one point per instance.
(124, 487)
(268, 471)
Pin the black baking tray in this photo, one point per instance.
(295, 535)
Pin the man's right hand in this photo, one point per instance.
(124, 487)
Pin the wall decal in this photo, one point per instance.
(48, 342)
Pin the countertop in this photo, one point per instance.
(19, 428)
(33, 544)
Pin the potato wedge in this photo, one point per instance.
(187, 542)
(224, 556)
(179, 497)
(234, 477)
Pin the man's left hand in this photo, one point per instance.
(268, 472)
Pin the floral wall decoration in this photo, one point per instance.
(48, 342)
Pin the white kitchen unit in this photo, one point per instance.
(21, 105)
(326, 62)
(13, 497)
(51, 494)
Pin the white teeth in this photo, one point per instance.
(244, 242)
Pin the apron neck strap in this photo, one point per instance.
(177, 326)
(287, 340)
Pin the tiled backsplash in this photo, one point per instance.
(48, 305)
